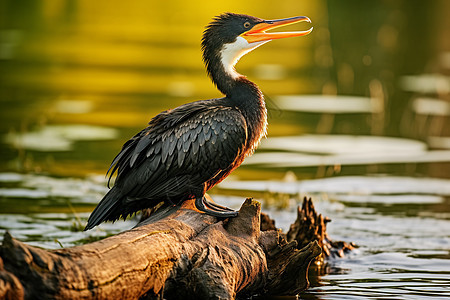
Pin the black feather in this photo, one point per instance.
(107, 210)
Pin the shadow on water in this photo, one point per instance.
(359, 120)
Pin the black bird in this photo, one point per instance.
(187, 150)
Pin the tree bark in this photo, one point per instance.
(176, 253)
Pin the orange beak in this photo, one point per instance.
(258, 32)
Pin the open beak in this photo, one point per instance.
(258, 32)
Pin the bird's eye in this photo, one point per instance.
(247, 24)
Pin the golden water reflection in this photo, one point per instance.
(113, 64)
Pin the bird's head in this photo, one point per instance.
(230, 36)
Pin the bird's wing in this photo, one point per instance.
(179, 150)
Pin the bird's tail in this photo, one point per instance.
(107, 210)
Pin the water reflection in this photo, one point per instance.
(341, 150)
(78, 78)
(327, 104)
(357, 185)
(59, 137)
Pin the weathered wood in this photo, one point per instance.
(177, 253)
(311, 226)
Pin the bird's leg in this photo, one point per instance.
(214, 209)
(216, 206)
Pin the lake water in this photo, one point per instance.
(357, 121)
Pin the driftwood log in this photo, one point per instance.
(176, 253)
(312, 226)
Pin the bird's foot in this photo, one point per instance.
(214, 209)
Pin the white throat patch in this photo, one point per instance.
(232, 52)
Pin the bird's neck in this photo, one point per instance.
(241, 93)
(231, 83)
(248, 98)
(220, 64)
(225, 78)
